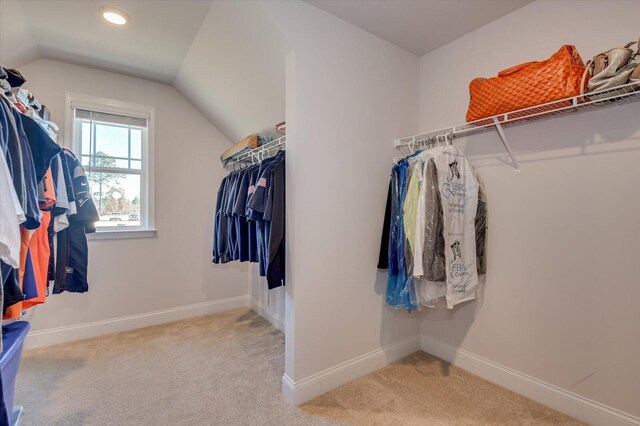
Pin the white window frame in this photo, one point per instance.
(147, 228)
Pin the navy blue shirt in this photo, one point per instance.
(220, 251)
(257, 207)
(274, 215)
(13, 153)
(232, 194)
(32, 210)
(42, 146)
(239, 209)
(253, 242)
(72, 252)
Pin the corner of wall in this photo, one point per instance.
(297, 393)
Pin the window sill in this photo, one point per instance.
(122, 235)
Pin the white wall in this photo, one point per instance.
(173, 270)
(235, 69)
(560, 303)
(348, 94)
(270, 304)
(234, 72)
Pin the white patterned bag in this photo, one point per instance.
(459, 197)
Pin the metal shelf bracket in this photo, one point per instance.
(503, 138)
(596, 100)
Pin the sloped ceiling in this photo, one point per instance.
(234, 71)
(151, 46)
(17, 46)
(225, 56)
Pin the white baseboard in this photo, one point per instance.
(261, 310)
(52, 336)
(299, 392)
(591, 412)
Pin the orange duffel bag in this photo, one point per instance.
(526, 85)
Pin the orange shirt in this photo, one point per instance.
(37, 243)
(39, 246)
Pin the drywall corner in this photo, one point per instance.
(299, 392)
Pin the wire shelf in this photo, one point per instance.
(594, 100)
(256, 155)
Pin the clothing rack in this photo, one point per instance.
(22, 119)
(594, 100)
(49, 126)
(258, 154)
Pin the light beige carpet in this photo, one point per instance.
(226, 369)
(424, 390)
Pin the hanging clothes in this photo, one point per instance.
(430, 244)
(437, 230)
(260, 208)
(383, 257)
(432, 281)
(249, 221)
(459, 198)
(73, 252)
(275, 215)
(40, 184)
(481, 228)
(23, 170)
(399, 291)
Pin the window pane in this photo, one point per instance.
(112, 141)
(136, 143)
(135, 164)
(85, 135)
(117, 197)
(109, 162)
(85, 160)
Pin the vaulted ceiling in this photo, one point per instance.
(153, 45)
(225, 56)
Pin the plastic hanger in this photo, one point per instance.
(50, 123)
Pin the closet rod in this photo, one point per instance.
(49, 126)
(618, 95)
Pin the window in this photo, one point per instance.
(113, 140)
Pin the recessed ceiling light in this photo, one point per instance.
(115, 16)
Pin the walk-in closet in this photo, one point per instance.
(319, 212)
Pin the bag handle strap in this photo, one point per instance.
(631, 43)
(587, 69)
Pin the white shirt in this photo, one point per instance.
(11, 216)
(60, 222)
